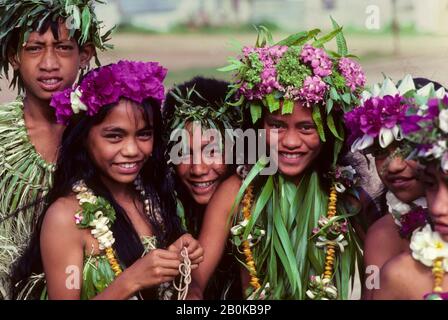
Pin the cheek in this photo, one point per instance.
(312, 142)
(182, 171)
(220, 169)
(379, 164)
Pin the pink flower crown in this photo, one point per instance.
(136, 81)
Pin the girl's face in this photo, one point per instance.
(436, 187)
(122, 142)
(398, 175)
(298, 140)
(199, 174)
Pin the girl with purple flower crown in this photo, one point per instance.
(420, 272)
(378, 128)
(292, 230)
(110, 230)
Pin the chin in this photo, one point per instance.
(202, 200)
(124, 179)
(291, 172)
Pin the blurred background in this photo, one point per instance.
(195, 37)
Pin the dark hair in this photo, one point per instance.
(74, 164)
(214, 92)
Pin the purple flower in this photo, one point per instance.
(136, 81)
(313, 90)
(412, 220)
(319, 60)
(377, 113)
(352, 72)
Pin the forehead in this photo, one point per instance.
(300, 113)
(204, 139)
(127, 114)
(48, 37)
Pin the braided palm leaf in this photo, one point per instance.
(24, 179)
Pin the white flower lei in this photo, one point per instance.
(427, 246)
(397, 208)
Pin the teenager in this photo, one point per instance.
(46, 50)
(111, 215)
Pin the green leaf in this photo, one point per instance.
(332, 127)
(299, 39)
(86, 17)
(329, 105)
(288, 106)
(255, 112)
(346, 97)
(318, 121)
(272, 102)
(334, 94)
(340, 39)
(321, 41)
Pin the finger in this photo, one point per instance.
(167, 279)
(166, 254)
(197, 260)
(196, 254)
(167, 263)
(194, 266)
(167, 272)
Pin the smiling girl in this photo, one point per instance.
(111, 217)
(291, 229)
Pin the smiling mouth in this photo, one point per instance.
(202, 185)
(50, 84)
(128, 165)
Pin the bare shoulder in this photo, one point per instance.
(401, 278)
(61, 214)
(228, 190)
(384, 228)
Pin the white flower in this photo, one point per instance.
(406, 85)
(444, 162)
(443, 120)
(362, 143)
(395, 205)
(386, 136)
(427, 90)
(339, 187)
(388, 88)
(440, 93)
(75, 99)
(427, 246)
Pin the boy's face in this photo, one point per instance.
(47, 65)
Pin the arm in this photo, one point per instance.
(383, 243)
(62, 245)
(214, 233)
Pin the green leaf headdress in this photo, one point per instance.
(25, 16)
(189, 103)
(299, 68)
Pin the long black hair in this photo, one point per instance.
(74, 164)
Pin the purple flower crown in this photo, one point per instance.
(385, 115)
(136, 81)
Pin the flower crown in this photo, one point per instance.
(386, 113)
(293, 69)
(136, 81)
(25, 16)
(432, 137)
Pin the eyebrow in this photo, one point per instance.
(271, 118)
(56, 42)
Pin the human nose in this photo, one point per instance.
(49, 61)
(291, 140)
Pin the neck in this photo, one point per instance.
(119, 191)
(38, 110)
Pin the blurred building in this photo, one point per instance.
(429, 16)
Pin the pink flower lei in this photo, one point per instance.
(136, 81)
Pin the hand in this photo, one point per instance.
(155, 268)
(195, 251)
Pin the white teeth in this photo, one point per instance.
(203, 184)
(128, 165)
(50, 81)
(291, 155)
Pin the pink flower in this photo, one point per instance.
(352, 72)
(313, 90)
(319, 60)
(78, 218)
